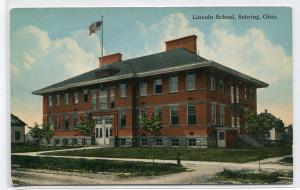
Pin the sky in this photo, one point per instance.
(49, 45)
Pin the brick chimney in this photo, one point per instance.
(187, 42)
(107, 59)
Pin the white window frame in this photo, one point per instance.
(187, 114)
(122, 90)
(213, 113)
(221, 85)
(94, 100)
(191, 81)
(171, 115)
(245, 92)
(66, 99)
(173, 84)
(212, 84)
(50, 100)
(238, 122)
(76, 100)
(157, 82)
(57, 100)
(85, 92)
(143, 88)
(232, 93)
(103, 96)
(233, 121)
(222, 114)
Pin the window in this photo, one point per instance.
(110, 132)
(75, 120)
(75, 141)
(85, 96)
(158, 86)
(123, 90)
(17, 135)
(103, 98)
(174, 142)
(191, 112)
(232, 121)
(221, 86)
(190, 81)
(66, 98)
(56, 141)
(245, 92)
(101, 133)
(144, 142)
(143, 88)
(222, 114)
(212, 84)
(57, 122)
(65, 141)
(238, 124)
(57, 100)
(213, 113)
(232, 93)
(122, 118)
(237, 94)
(221, 135)
(97, 132)
(94, 100)
(76, 97)
(158, 110)
(66, 123)
(112, 97)
(142, 111)
(122, 142)
(174, 115)
(106, 132)
(192, 142)
(49, 100)
(49, 122)
(173, 84)
(158, 142)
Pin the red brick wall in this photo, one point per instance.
(202, 97)
(107, 59)
(188, 42)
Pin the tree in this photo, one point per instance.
(36, 132)
(85, 127)
(262, 123)
(152, 126)
(47, 133)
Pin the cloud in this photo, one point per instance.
(32, 47)
(251, 53)
(38, 61)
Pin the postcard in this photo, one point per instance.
(170, 95)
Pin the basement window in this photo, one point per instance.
(144, 142)
(192, 142)
(158, 142)
(174, 142)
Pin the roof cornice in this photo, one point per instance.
(207, 63)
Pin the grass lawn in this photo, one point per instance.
(250, 177)
(210, 154)
(120, 168)
(15, 148)
(288, 160)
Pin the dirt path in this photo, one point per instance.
(199, 172)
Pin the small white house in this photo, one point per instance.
(17, 130)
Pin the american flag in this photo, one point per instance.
(95, 26)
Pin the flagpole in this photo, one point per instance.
(102, 42)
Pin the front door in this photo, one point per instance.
(103, 132)
(221, 139)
